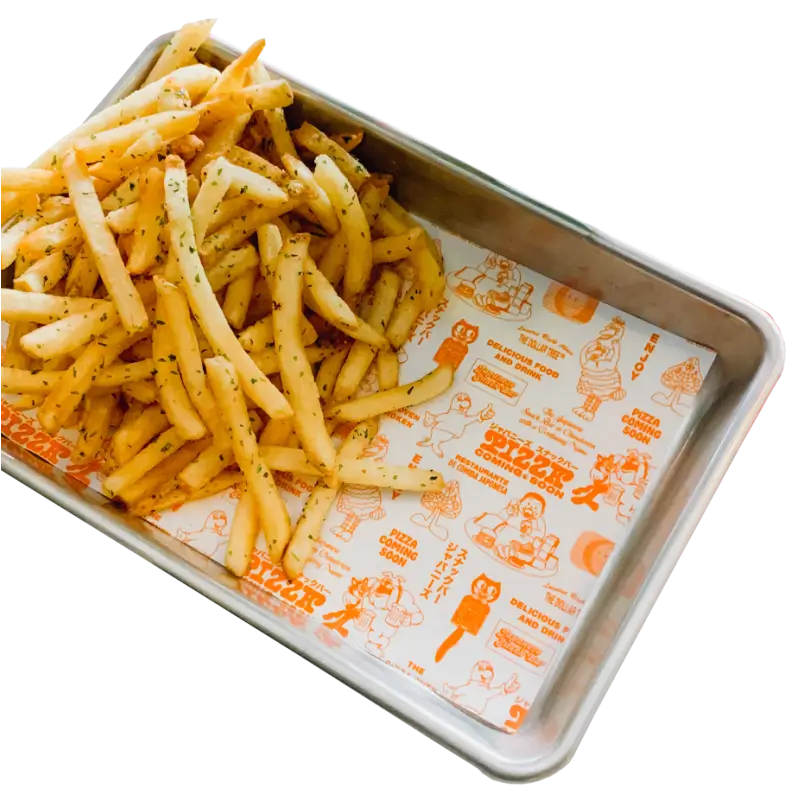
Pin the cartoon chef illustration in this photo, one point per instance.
(210, 539)
(385, 608)
(476, 693)
(360, 503)
(600, 379)
(451, 424)
(453, 350)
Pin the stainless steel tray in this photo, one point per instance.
(458, 198)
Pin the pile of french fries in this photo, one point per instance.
(201, 291)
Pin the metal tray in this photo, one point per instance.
(474, 206)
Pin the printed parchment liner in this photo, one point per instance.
(563, 412)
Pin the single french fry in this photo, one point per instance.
(77, 380)
(229, 209)
(233, 265)
(258, 97)
(13, 204)
(276, 432)
(237, 298)
(164, 476)
(361, 355)
(178, 320)
(281, 138)
(134, 410)
(38, 181)
(63, 336)
(21, 380)
(256, 163)
(44, 308)
(14, 236)
(124, 372)
(318, 505)
(352, 219)
(257, 336)
(233, 76)
(123, 220)
(101, 243)
(272, 512)
(171, 391)
(320, 296)
(405, 316)
(318, 201)
(173, 97)
(295, 369)
(319, 144)
(372, 199)
(145, 460)
(25, 402)
(409, 394)
(201, 295)
(14, 357)
(212, 191)
(388, 369)
(366, 472)
(270, 242)
(133, 434)
(94, 426)
(177, 497)
(396, 248)
(128, 191)
(258, 188)
(288, 459)
(243, 533)
(113, 143)
(334, 259)
(150, 218)
(267, 359)
(180, 50)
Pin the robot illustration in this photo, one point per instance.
(453, 350)
(360, 503)
(451, 424)
(472, 612)
(210, 539)
(600, 379)
(475, 694)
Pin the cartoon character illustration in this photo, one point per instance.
(453, 350)
(359, 503)
(591, 551)
(600, 379)
(495, 286)
(442, 503)
(517, 536)
(476, 693)
(682, 379)
(617, 479)
(210, 539)
(352, 599)
(451, 424)
(569, 303)
(471, 613)
(378, 607)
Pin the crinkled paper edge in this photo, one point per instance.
(309, 666)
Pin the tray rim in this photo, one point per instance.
(749, 404)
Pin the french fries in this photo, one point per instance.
(171, 253)
(296, 374)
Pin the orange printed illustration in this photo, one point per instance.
(600, 379)
(476, 694)
(360, 503)
(442, 503)
(472, 612)
(211, 538)
(451, 424)
(618, 480)
(517, 536)
(591, 551)
(496, 286)
(684, 379)
(378, 607)
(569, 303)
(453, 350)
